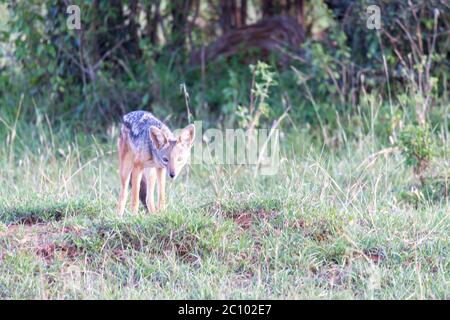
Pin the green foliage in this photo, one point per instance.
(417, 146)
(103, 71)
(419, 149)
(263, 79)
(322, 78)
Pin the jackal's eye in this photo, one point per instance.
(165, 159)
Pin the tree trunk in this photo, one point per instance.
(242, 14)
(279, 34)
(179, 11)
(268, 8)
(133, 44)
(232, 15)
(94, 37)
(227, 15)
(300, 11)
(153, 16)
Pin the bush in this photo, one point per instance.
(417, 146)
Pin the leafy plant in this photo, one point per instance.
(263, 79)
(417, 146)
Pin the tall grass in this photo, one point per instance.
(331, 224)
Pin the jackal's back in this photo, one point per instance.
(138, 124)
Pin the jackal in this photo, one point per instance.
(147, 150)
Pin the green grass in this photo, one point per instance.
(330, 225)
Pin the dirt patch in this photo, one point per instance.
(246, 213)
(184, 248)
(321, 231)
(246, 218)
(183, 243)
(375, 254)
(36, 219)
(119, 254)
(49, 250)
(41, 238)
(30, 215)
(298, 224)
(332, 275)
(25, 233)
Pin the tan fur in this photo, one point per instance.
(138, 165)
(161, 174)
(151, 182)
(125, 167)
(136, 176)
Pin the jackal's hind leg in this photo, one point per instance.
(161, 173)
(125, 167)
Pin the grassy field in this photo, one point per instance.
(330, 224)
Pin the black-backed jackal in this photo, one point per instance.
(147, 150)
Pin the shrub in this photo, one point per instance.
(417, 147)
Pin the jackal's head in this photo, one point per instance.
(173, 153)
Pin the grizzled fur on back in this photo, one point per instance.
(139, 123)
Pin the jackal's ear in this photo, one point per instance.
(158, 137)
(187, 135)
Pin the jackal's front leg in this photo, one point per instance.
(136, 176)
(150, 176)
(161, 173)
